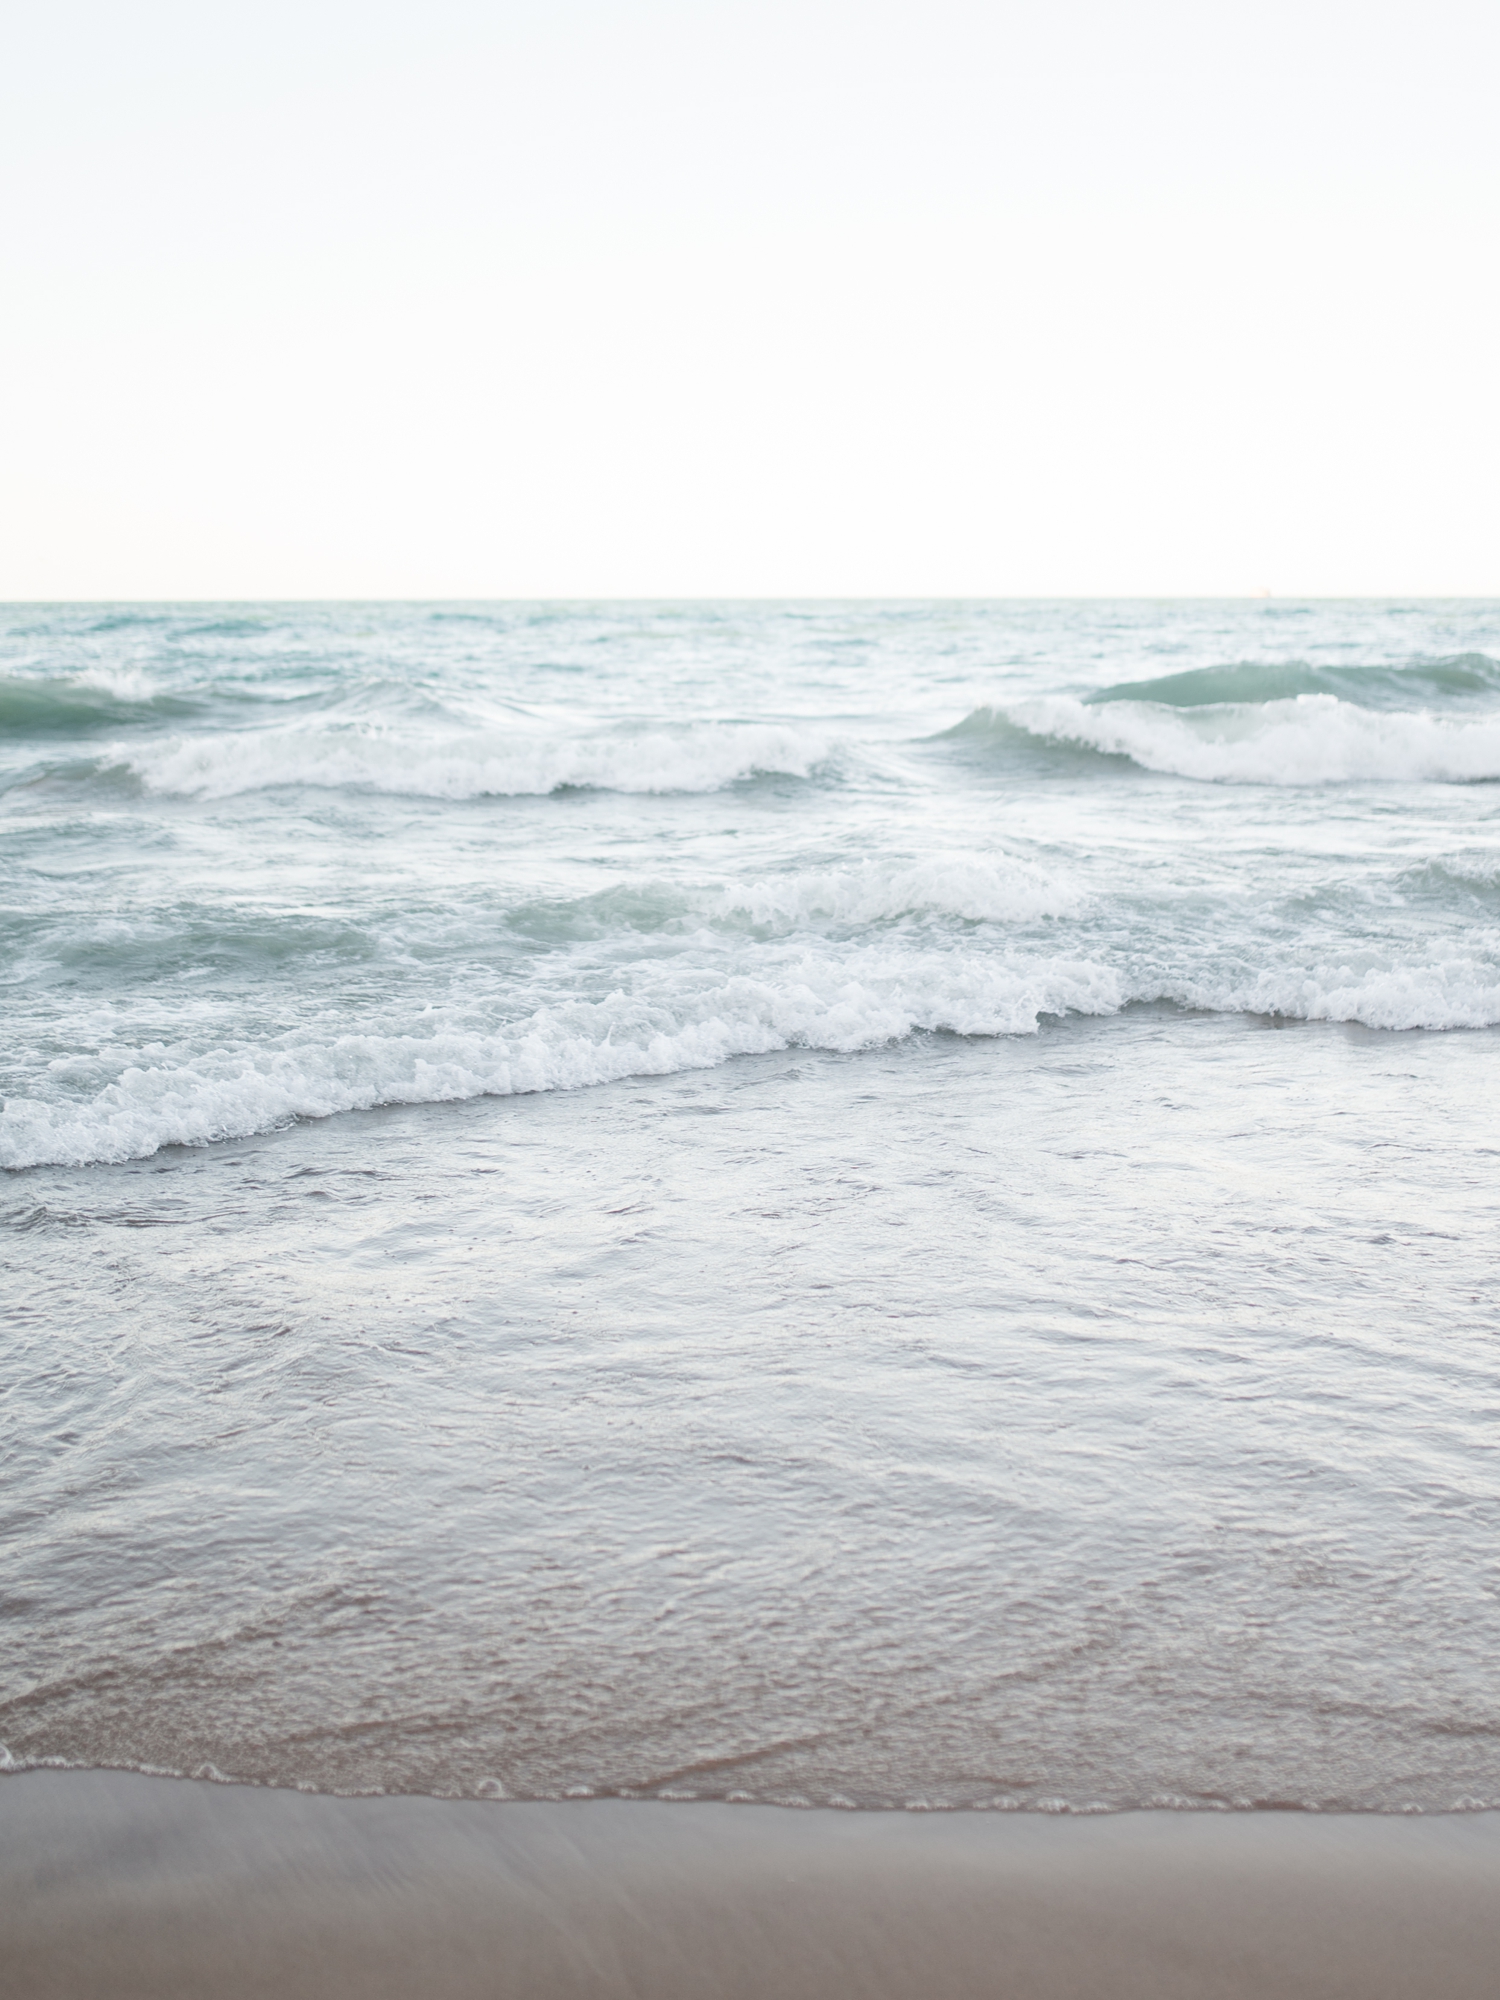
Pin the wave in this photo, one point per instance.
(696, 1018)
(999, 890)
(1475, 871)
(858, 896)
(1310, 739)
(1464, 677)
(1444, 995)
(84, 705)
(696, 757)
(813, 1001)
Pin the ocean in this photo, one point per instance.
(873, 1204)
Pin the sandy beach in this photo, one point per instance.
(121, 1885)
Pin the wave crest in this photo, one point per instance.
(1421, 683)
(837, 1002)
(84, 704)
(1311, 739)
(827, 997)
(996, 890)
(698, 757)
(1446, 994)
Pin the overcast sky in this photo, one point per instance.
(637, 298)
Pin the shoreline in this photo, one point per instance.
(118, 1884)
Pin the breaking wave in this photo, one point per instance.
(1308, 739)
(684, 1018)
(85, 705)
(698, 757)
(842, 1002)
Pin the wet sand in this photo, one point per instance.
(122, 1886)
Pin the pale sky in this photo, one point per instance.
(637, 298)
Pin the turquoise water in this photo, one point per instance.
(886, 1203)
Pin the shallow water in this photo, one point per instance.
(1015, 1325)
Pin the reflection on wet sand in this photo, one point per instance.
(125, 1886)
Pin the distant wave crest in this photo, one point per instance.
(83, 704)
(1309, 739)
(699, 757)
(1463, 678)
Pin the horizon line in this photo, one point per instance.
(791, 597)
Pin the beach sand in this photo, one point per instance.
(113, 1884)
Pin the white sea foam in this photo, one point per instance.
(687, 1018)
(1313, 739)
(124, 682)
(813, 1000)
(995, 889)
(1478, 868)
(701, 757)
(1460, 992)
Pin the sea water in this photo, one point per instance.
(876, 1203)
